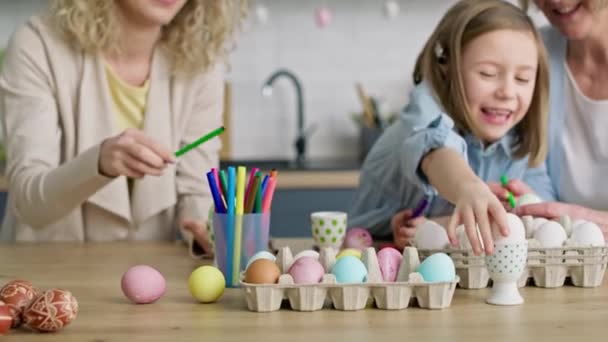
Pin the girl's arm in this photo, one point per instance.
(474, 203)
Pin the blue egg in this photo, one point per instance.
(349, 269)
(438, 267)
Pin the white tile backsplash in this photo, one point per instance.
(361, 44)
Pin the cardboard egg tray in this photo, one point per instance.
(546, 267)
(409, 287)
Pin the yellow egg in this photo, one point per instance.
(349, 251)
(206, 284)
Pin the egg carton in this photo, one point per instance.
(408, 289)
(546, 267)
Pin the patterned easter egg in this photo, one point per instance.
(51, 311)
(6, 318)
(17, 295)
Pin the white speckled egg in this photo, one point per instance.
(588, 234)
(430, 235)
(550, 235)
(517, 231)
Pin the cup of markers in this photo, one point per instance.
(241, 218)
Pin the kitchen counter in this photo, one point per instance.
(92, 273)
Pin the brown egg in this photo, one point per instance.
(262, 271)
(51, 311)
(17, 294)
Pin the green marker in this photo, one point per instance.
(504, 180)
(195, 144)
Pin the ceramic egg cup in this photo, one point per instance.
(350, 296)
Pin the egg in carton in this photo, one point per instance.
(391, 295)
(564, 249)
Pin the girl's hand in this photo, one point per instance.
(477, 203)
(404, 227)
(133, 154)
(199, 233)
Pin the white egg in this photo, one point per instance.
(577, 222)
(537, 222)
(517, 231)
(430, 235)
(550, 234)
(463, 238)
(588, 234)
(528, 199)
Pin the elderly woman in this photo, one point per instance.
(95, 98)
(577, 42)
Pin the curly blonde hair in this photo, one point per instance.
(196, 38)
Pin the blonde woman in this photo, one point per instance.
(478, 111)
(577, 162)
(96, 97)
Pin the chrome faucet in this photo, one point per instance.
(300, 143)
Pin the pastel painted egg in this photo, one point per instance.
(588, 234)
(262, 271)
(358, 238)
(349, 269)
(17, 295)
(517, 231)
(207, 284)
(438, 267)
(6, 319)
(143, 284)
(349, 251)
(389, 260)
(261, 255)
(53, 310)
(306, 270)
(550, 235)
(430, 235)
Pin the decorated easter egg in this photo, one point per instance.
(358, 238)
(389, 260)
(262, 271)
(6, 318)
(430, 235)
(261, 255)
(143, 284)
(349, 269)
(306, 270)
(550, 235)
(349, 251)
(53, 310)
(17, 295)
(207, 283)
(438, 267)
(588, 234)
(517, 231)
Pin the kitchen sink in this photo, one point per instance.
(284, 164)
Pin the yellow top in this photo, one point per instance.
(129, 101)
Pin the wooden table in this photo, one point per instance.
(92, 272)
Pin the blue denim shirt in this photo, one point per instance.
(391, 179)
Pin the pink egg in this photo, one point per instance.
(389, 260)
(358, 238)
(306, 270)
(143, 284)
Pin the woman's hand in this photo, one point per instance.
(199, 233)
(134, 155)
(515, 186)
(404, 227)
(476, 203)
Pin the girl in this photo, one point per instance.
(486, 66)
(96, 96)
